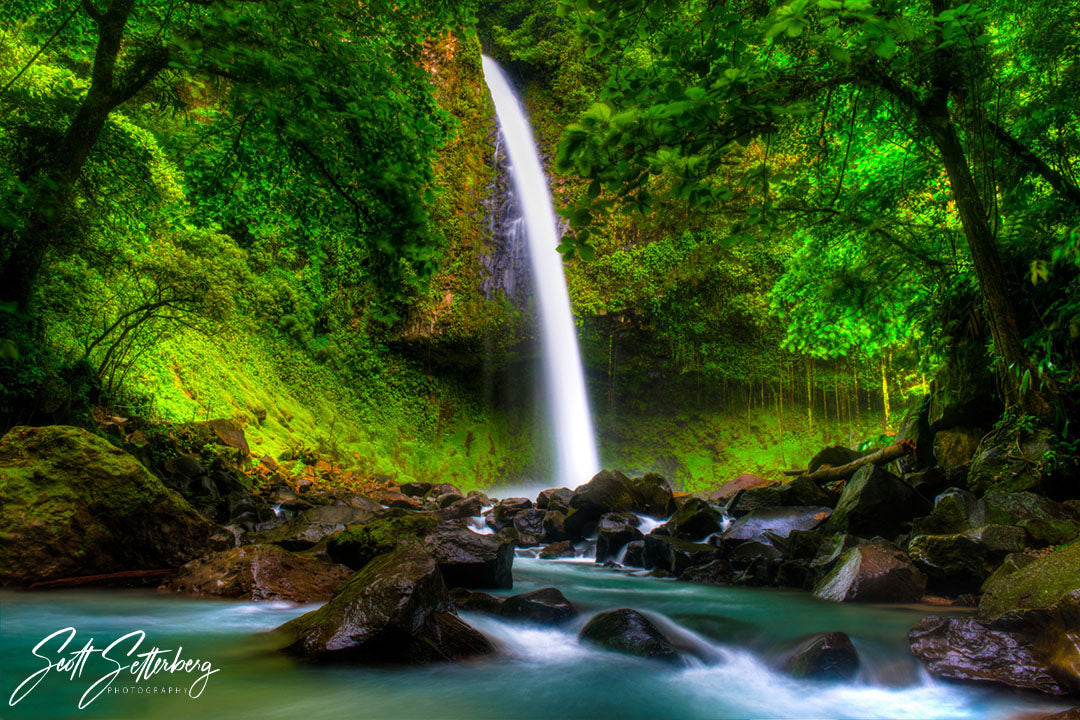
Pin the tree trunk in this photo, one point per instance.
(1000, 314)
(54, 177)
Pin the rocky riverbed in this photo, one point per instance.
(415, 574)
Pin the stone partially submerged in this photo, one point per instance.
(396, 610)
(1025, 634)
(259, 572)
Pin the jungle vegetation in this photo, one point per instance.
(792, 215)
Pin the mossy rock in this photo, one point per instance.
(73, 504)
(357, 546)
(1040, 585)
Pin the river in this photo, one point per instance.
(540, 672)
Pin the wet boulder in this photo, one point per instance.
(1045, 521)
(824, 656)
(502, 514)
(469, 560)
(561, 549)
(416, 488)
(615, 531)
(395, 610)
(309, 527)
(654, 496)
(631, 633)
(955, 510)
(259, 572)
(546, 605)
(448, 499)
(800, 492)
(608, 491)
(557, 499)
(717, 572)
(674, 554)
(780, 521)
(695, 520)
(530, 521)
(476, 601)
(873, 572)
(635, 554)
(554, 527)
(73, 504)
(1029, 615)
(876, 502)
(1002, 652)
(959, 563)
(461, 509)
(398, 500)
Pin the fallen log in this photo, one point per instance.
(125, 578)
(884, 455)
(794, 473)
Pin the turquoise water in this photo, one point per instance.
(540, 673)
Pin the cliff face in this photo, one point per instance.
(472, 306)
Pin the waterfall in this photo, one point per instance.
(575, 445)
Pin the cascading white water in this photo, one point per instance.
(575, 444)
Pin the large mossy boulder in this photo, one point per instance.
(954, 448)
(955, 510)
(1046, 522)
(876, 502)
(308, 528)
(466, 559)
(631, 633)
(874, 572)
(1009, 464)
(962, 392)
(555, 499)
(396, 610)
(1024, 635)
(259, 572)
(71, 504)
(358, 545)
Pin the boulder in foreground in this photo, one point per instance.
(395, 610)
(73, 504)
(629, 632)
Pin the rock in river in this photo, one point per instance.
(628, 631)
(259, 572)
(394, 610)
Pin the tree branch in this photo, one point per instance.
(1034, 163)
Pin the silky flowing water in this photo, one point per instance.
(540, 672)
